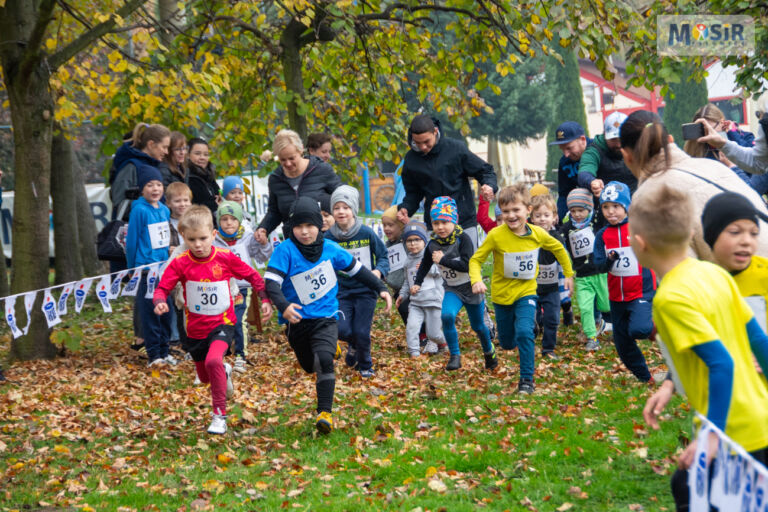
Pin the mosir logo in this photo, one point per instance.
(707, 35)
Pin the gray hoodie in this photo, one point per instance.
(431, 293)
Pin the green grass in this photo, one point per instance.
(97, 428)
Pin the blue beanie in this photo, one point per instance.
(147, 173)
(616, 192)
(497, 211)
(414, 228)
(230, 184)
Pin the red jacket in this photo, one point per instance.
(485, 221)
(627, 280)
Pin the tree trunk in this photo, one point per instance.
(68, 264)
(86, 223)
(291, 60)
(5, 290)
(166, 13)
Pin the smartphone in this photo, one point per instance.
(692, 131)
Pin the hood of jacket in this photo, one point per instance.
(127, 152)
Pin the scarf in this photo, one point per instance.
(340, 235)
(311, 252)
(450, 239)
(237, 235)
(585, 222)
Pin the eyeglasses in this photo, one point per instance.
(413, 240)
(182, 149)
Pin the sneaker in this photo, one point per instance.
(593, 344)
(218, 425)
(159, 361)
(551, 356)
(422, 340)
(429, 348)
(230, 385)
(600, 327)
(324, 423)
(367, 374)
(454, 363)
(240, 363)
(491, 361)
(608, 327)
(414, 355)
(171, 360)
(351, 358)
(337, 355)
(197, 380)
(526, 387)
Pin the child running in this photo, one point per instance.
(397, 252)
(178, 198)
(451, 248)
(204, 271)
(630, 286)
(544, 215)
(424, 305)
(591, 284)
(357, 301)
(301, 280)
(238, 237)
(709, 330)
(515, 246)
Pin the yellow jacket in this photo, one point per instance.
(515, 261)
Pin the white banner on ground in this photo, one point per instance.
(10, 316)
(49, 309)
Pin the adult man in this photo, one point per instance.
(602, 161)
(572, 141)
(440, 166)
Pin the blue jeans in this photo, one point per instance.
(452, 304)
(514, 323)
(632, 321)
(355, 326)
(548, 317)
(155, 329)
(239, 313)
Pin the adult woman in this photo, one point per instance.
(296, 176)
(319, 145)
(172, 167)
(653, 157)
(202, 177)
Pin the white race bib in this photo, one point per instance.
(582, 242)
(548, 274)
(363, 255)
(159, 234)
(315, 283)
(453, 277)
(627, 264)
(208, 298)
(426, 285)
(241, 252)
(521, 265)
(396, 255)
(758, 307)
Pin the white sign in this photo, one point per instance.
(10, 316)
(102, 292)
(81, 291)
(315, 283)
(453, 277)
(65, 293)
(49, 309)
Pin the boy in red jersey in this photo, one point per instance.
(204, 271)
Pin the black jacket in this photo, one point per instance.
(583, 265)
(444, 171)
(318, 179)
(204, 189)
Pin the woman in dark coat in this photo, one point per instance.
(202, 176)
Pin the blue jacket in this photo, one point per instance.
(144, 226)
(369, 244)
(567, 173)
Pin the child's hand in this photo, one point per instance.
(291, 314)
(415, 289)
(656, 403)
(261, 236)
(613, 256)
(479, 288)
(161, 308)
(399, 301)
(568, 285)
(266, 311)
(171, 249)
(437, 256)
(388, 298)
(376, 272)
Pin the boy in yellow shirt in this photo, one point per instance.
(515, 246)
(707, 327)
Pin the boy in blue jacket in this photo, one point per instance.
(147, 242)
(356, 301)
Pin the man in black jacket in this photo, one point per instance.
(439, 166)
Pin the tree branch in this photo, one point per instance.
(88, 37)
(36, 36)
(250, 28)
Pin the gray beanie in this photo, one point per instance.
(347, 195)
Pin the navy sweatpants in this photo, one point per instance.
(632, 321)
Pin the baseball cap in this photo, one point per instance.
(612, 124)
(567, 132)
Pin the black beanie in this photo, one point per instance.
(723, 209)
(305, 210)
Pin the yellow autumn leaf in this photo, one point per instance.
(61, 449)
(261, 485)
(50, 44)
(225, 458)
(431, 470)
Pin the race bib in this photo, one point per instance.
(315, 283)
(426, 285)
(521, 265)
(363, 255)
(159, 235)
(548, 274)
(758, 307)
(241, 252)
(582, 242)
(453, 277)
(396, 255)
(208, 298)
(627, 264)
